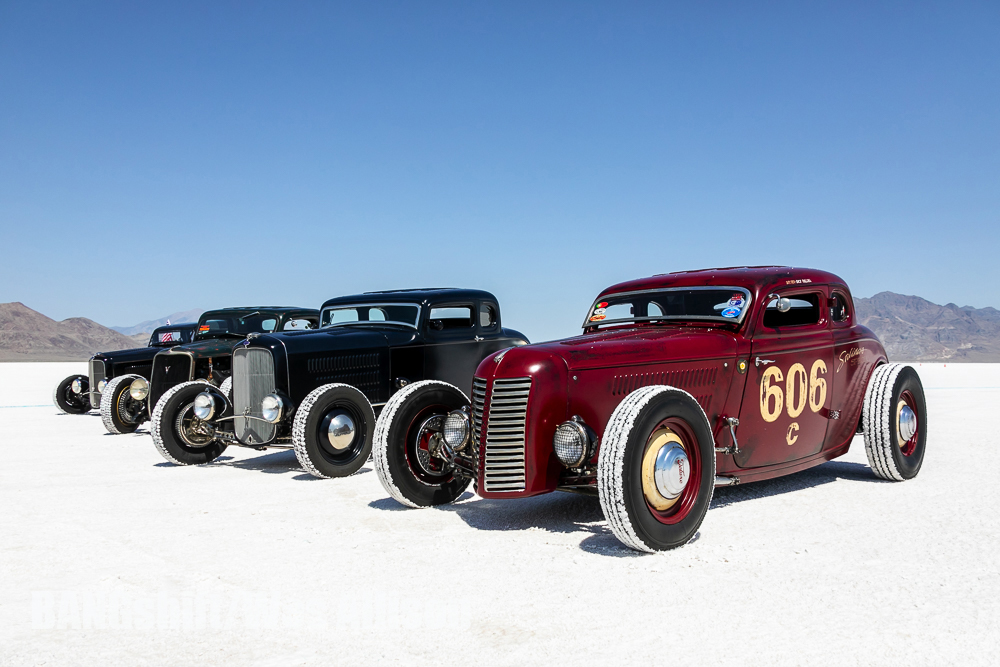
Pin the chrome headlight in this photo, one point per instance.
(272, 408)
(572, 444)
(101, 385)
(456, 429)
(204, 406)
(77, 386)
(139, 389)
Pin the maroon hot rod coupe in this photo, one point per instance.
(680, 383)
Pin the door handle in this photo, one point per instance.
(759, 362)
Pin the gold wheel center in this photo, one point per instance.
(661, 437)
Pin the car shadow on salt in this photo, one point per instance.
(823, 474)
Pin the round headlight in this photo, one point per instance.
(139, 389)
(101, 385)
(77, 386)
(271, 408)
(571, 444)
(456, 429)
(204, 406)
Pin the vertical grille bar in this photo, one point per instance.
(505, 433)
(253, 379)
(96, 375)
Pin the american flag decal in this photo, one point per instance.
(169, 337)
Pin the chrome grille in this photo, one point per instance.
(96, 375)
(253, 379)
(478, 401)
(505, 430)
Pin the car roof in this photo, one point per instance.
(273, 310)
(753, 278)
(427, 296)
(174, 327)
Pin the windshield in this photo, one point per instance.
(166, 338)
(726, 304)
(406, 314)
(213, 325)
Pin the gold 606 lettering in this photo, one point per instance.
(799, 389)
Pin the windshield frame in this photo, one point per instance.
(587, 324)
(376, 304)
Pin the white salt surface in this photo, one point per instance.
(110, 556)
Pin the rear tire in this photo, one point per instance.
(174, 428)
(119, 411)
(314, 449)
(396, 447)
(891, 388)
(69, 402)
(649, 420)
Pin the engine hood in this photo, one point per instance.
(628, 347)
(331, 340)
(128, 356)
(209, 347)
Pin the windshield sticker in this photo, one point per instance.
(598, 318)
(599, 311)
(603, 304)
(736, 301)
(731, 312)
(203, 328)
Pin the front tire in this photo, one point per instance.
(405, 469)
(332, 431)
(894, 444)
(68, 401)
(179, 436)
(119, 411)
(653, 504)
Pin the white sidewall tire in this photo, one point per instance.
(307, 450)
(887, 383)
(386, 437)
(616, 499)
(160, 421)
(109, 404)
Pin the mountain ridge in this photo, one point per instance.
(27, 335)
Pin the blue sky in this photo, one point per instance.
(156, 157)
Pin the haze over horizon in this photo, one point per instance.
(159, 156)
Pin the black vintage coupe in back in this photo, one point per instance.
(318, 392)
(78, 394)
(129, 399)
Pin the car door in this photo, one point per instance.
(453, 346)
(785, 408)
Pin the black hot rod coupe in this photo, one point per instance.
(78, 394)
(318, 391)
(129, 399)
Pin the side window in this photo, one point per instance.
(840, 311)
(487, 315)
(654, 310)
(268, 324)
(451, 317)
(803, 309)
(298, 325)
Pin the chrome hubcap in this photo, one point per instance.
(671, 470)
(340, 431)
(906, 426)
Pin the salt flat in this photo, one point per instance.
(108, 555)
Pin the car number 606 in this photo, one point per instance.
(795, 395)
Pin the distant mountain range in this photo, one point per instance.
(911, 328)
(914, 329)
(148, 326)
(27, 335)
